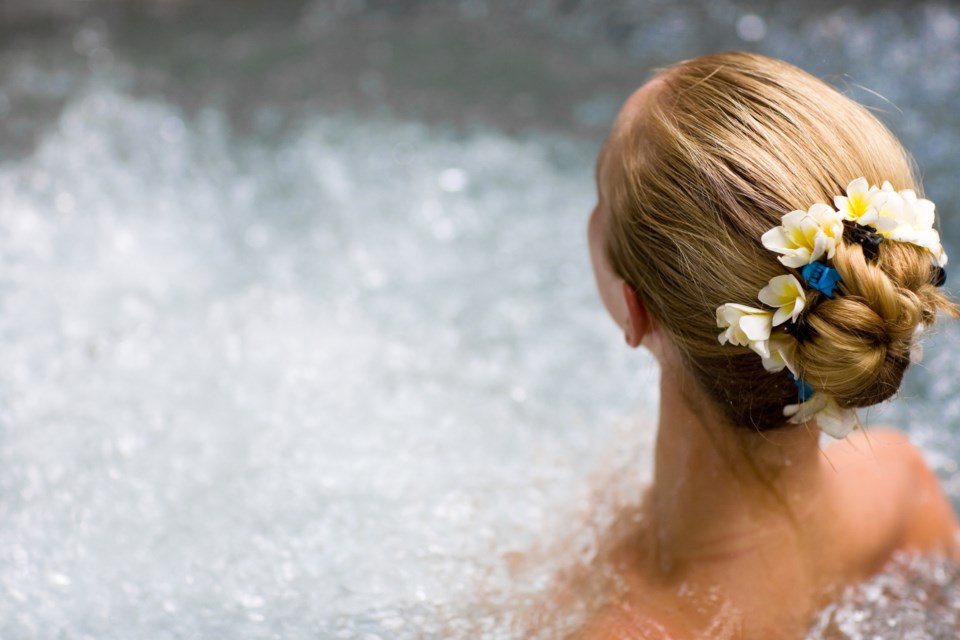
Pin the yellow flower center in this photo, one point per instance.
(858, 204)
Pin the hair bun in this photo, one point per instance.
(858, 344)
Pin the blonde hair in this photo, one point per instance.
(726, 145)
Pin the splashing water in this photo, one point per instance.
(253, 387)
(345, 377)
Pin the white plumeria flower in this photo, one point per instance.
(919, 212)
(858, 201)
(831, 221)
(887, 211)
(799, 413)
(835, 421)
(928, 239)
(782, 348)
(901, 216)
(745, 326)
(915, 225)
(787, 295)
(805, 236)
(831, 418)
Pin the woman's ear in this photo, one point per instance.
(638, 322)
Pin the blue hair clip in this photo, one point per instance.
(821, 277)
(804, 388)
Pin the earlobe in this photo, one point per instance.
(638, 322)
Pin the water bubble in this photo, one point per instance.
(452, 180)
(89, 38)
(751, 28)
(124, 240)
(944, 24)
(59, 579)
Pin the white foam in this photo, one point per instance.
(250, 389)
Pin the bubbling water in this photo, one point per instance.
(304, 388)
(916, 597)
(291, 389)
(347, 377)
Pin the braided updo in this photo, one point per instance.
(860, 341)
(727, 146)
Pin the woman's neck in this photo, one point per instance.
(720, 491)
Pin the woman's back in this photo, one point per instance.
(879, 497)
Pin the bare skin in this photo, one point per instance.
(747, 536)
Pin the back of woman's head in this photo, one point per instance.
(727, 145)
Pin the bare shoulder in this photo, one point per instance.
(889, 494)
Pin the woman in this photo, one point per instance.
(749, 527)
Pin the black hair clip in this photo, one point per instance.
(939, 276)
(864, 235)
(801, 329)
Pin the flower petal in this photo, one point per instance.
(775, 239)
(831, 418)
(782, 348)
(742, 324)
(761, 348)
(795, 260)
(836, 421)
(799, 413)
(756, 326)
(858, 186)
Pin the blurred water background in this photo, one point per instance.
(298, 335)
